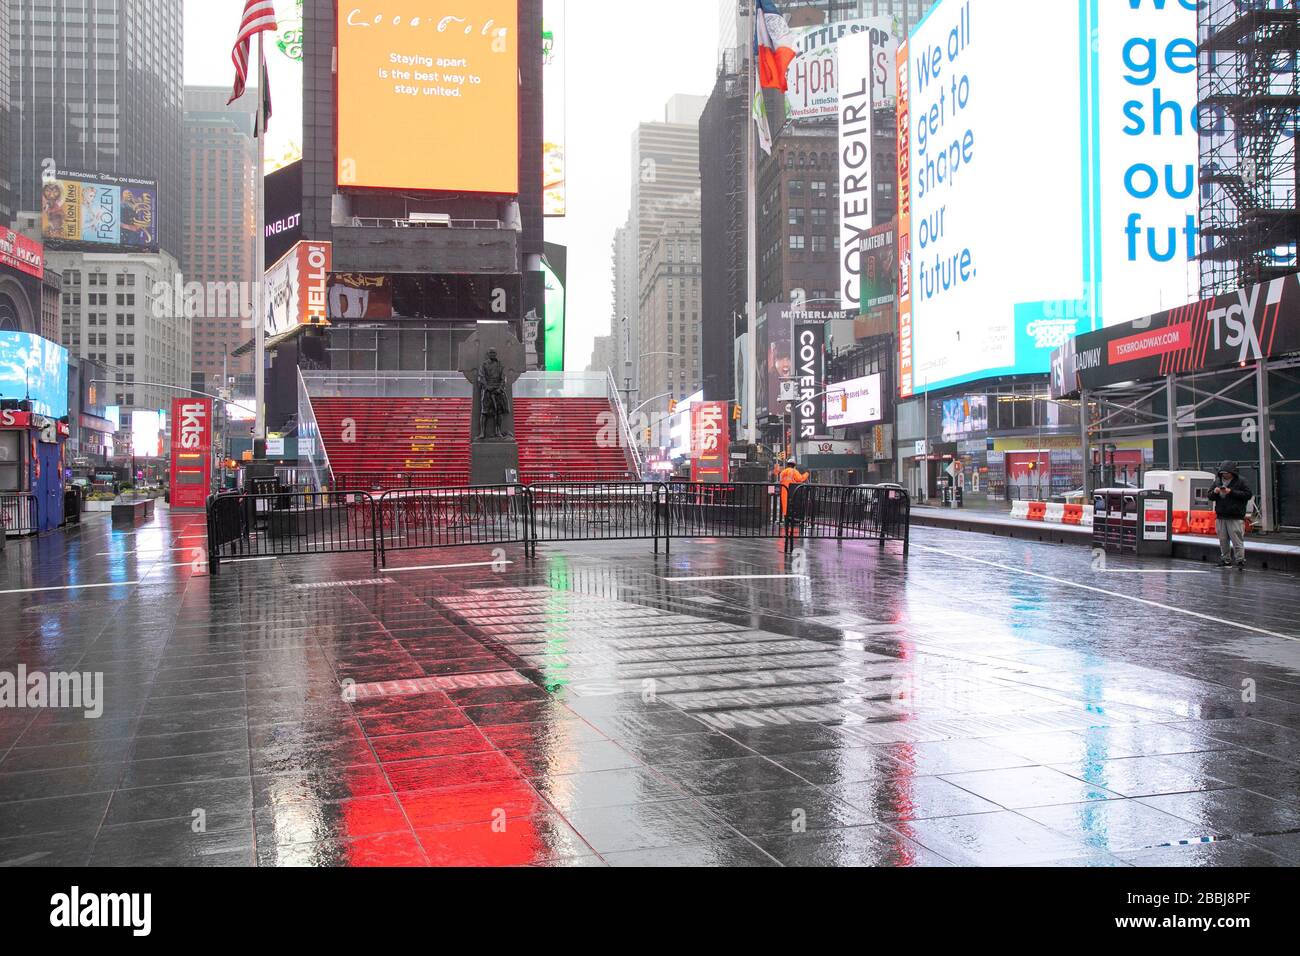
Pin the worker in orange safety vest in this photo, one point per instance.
(790, 475)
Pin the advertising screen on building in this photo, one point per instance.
(297, 289)
(1249, 325)
(965, 416)
(810, 372)
(879, 267)
(36, 368)
(554, 323)
(99, 212)
(555, 40)
(146, 433)
(855, 402)
(284, 66)
(1074, 210)
(283, 211)
(813, 78)
(21, 254)
(428, 100)
(866, 87)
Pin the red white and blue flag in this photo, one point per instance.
(259, 16)
(774, 44)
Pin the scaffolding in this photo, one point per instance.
(1181, 410)
(1249, 99)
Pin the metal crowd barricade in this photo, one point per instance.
(726, 510)
(18, 513)
(444, 517)
(595, 511)
(287, 523)
(297, 523)
(854, 512)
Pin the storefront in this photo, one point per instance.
(31, 471)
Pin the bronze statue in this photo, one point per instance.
(494, 401)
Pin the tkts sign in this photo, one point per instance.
(1238, 328)
(191, 468)
(710, 441)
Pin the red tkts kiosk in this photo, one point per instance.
(191, 470)
(31, 488)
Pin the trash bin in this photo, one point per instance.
(1154, 520)
(1113, 525)
(72, 505)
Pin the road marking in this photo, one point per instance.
(192, 547)
(743, 577)
(1147, 571)
(340, 584)
(445, 567)
(1125, 597)
(70, 587)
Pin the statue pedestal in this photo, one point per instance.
(488, 461)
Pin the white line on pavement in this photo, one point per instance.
(742, 577)
(192, 547)
(1125, 597)
(1147, 571)
(446, 567)
(70, 587)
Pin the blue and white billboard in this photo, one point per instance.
(1052, 174)
(35, 367)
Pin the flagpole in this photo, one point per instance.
(259, 254)
(751, 235)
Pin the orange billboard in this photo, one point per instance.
(429, 101)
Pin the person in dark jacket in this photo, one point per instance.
(1230, 496)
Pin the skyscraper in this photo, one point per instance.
(665, 174)
(95, 87)
(220, 201)
(6, 171)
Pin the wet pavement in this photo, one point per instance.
(986, 702)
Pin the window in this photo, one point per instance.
(819, 189)
(796, 187)
(797, 243)
(818, 243)
(797, 215)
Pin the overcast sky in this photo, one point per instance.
(625, 60)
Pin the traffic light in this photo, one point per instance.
(672, 405)
(648, 435)
(735, 414)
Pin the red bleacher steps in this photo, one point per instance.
(428, 439)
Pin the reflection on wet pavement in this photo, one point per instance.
(987, 702)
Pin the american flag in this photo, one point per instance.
(259, 15)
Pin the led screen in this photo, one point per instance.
(428, 99)
(35, 367)
(1049, 184)
(855, 402)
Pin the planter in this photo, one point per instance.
(126, 511)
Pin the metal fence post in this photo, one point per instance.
(530, 528)
(377, 532)
(839, 527)
(907, 522)
(214, 561)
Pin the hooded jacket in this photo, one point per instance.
(1233, 504)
